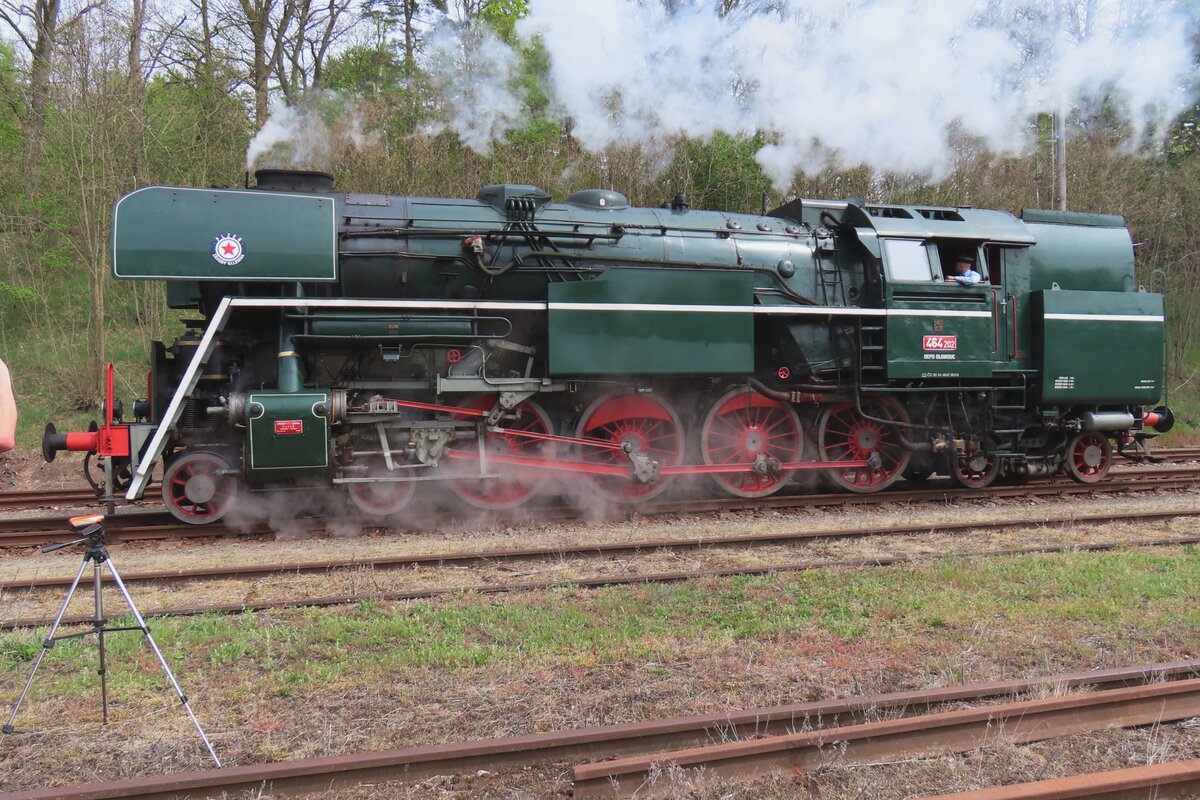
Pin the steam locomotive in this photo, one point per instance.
(388, 345)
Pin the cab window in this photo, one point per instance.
(909, 260)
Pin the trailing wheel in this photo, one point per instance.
(843, 434)
(516, 484)
(1089, 456)
(745, 427)
(648, 425)
(199, 487)
(382, 498)
(975, 470)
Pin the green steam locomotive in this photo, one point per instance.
(488, 347)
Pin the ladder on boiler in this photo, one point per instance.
(829, 275)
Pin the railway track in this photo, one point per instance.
(41, 498)
(1157, 454)
(594, 550)
(605, 581)
(1125, 695)
(160, 525)
(659, 774)
(1152, 782)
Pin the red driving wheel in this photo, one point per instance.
(745, 427)
(845, 435)
(516, 484)
(645, 422)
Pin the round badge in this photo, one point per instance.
(228, 249)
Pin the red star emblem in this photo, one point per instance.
(228, 248)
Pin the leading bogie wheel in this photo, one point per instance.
(199, 487)
(647, 424)
(516, 484)
(745, 427)
(1089, 457)
(843, 434)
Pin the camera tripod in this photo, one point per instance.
(92, 529)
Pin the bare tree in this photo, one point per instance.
(317, 26)
(264, 27)
(39, 27)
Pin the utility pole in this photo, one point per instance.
(1060, 157)
(1060, 119)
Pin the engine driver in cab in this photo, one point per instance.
(964, 271)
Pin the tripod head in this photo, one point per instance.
(92, 528)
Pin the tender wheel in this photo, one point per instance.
(1089, 456)
(744, 427)
(195, 489)
(382, 498)
(644, 421)
(517, 484)
(975, 471)
(845, 435)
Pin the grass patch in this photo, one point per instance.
(1137, 599)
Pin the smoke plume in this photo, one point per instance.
(474, 70)
(841, 83)
(304, 135)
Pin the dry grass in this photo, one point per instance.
(164, 555)
(295, 683)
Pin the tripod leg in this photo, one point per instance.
(99, 623)
(162, 661)
(47, 643)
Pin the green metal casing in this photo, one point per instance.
(170, 232)
(1091, 252)
(287, 435)
(941, 331)
(1100, 347)
(637, 322)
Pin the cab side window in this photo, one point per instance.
(910, 260)
(951, 252)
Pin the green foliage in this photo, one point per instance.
(1079, 604)
(719, 172)
(10, 122)
(62, 315)
(197, 132)
(502, 16)
(368, 70)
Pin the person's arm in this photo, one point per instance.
(8, 411)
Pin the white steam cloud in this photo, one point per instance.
(882, 83)
(474, 71)
(303, 136)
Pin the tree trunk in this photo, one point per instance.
(46, 26)
(137, 89)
